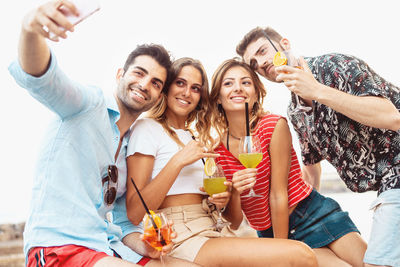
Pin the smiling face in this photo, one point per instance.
(184, 93)
(139, 87)
(237, 88)
(233, 84)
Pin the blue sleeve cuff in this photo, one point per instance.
(120, 218)
(128, 228)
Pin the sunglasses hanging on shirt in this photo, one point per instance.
(111, 178)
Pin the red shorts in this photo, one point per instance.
(68, 255)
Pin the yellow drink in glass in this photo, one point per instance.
(250, 160)
(214, 185)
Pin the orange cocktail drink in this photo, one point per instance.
(159, 236)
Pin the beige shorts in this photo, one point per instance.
(193, 224)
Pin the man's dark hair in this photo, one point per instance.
(254, 35)
(155, 51)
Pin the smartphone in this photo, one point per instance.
(85, 9)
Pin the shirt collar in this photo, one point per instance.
(113, 110)
(111, 104)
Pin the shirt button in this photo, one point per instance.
(292, 231)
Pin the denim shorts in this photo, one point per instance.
(317, 221)
(384, 244)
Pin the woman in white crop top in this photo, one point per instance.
(166, 165)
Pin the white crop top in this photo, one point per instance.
(148, 137)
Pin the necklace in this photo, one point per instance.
(227, 138)
(234, 137)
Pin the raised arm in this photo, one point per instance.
(373, 111)
(37, 70)
(33, 52)
(280, 152)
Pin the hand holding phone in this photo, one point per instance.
(85, 9)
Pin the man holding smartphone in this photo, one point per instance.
(81, 171)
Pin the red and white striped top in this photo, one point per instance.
(257, 209)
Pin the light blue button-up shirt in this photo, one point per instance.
(67, 204)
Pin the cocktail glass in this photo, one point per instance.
(250, 155)
(214, 184)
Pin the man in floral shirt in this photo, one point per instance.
(348, 115)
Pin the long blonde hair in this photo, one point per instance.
(216, 111)
(197, 117)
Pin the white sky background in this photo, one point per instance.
(207, 30)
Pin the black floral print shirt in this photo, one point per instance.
(366, 158)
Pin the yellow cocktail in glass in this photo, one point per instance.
(250, 155)
(250, 160)
(214, 185)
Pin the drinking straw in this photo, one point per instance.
(266, 36)
(247, 118)
(246, 105)
(148, 213)
(201, 158)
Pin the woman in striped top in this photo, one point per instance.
(288, 206)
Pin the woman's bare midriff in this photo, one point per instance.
(190, 199)
(182, 199)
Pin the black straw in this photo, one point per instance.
(201, 158)
(148, 212)
(266, 36)
(246, 105)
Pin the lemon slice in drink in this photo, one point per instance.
(279, 59)
(210, 167)
(156, 219)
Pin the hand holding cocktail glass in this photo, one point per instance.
(287, 57)
(157, 230)
(161, 235)
(216, 186)
(250, 154)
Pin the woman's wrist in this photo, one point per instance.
(176, 162)
(235, 193)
